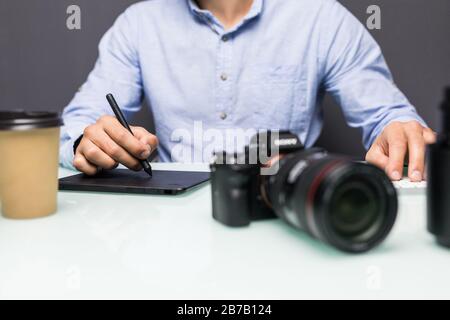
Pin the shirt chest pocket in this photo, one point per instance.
(283, 74)
(269, 95)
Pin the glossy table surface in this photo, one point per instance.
(102, 245)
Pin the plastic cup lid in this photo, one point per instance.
(24, 120)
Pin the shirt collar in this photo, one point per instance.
(255, 10)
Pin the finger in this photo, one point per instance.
(97, 156)
(126, 140)
(377, 157)
(113, 150)
(430, 136)
(416, 148)
(82, 165)
(146, 137)
(397, 144)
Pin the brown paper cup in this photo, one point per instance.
(29, 148)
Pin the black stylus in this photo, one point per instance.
(119, 115)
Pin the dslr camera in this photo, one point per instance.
(349, 205)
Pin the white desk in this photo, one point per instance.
(130, 246)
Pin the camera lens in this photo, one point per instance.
(355, 209)
(351, 206)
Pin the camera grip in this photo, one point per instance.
(230, 193)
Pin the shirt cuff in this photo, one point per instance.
(66, 154)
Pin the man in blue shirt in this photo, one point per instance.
(209, 66)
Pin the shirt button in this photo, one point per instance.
(225, 38)
(223, 115)
(224, 77)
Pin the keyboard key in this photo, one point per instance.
(406, 187)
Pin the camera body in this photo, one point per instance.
(236, 181)
(349, 205)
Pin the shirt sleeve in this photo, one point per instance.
(116, 71)
(357, 76)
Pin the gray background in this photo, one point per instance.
(42, 63)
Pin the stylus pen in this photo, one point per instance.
(119, 115)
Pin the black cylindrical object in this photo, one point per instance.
(438, 191)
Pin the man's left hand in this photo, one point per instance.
(400, 142)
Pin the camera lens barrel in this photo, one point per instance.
(445, 108)
(438, 199)
(438, 189)
(351, 206)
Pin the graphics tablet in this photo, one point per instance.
(127, 181)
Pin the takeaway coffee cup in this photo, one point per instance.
(29, 148)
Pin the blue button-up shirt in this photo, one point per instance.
(268, 72)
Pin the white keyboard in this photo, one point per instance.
(405, 187)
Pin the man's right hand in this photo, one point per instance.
(106, 144)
